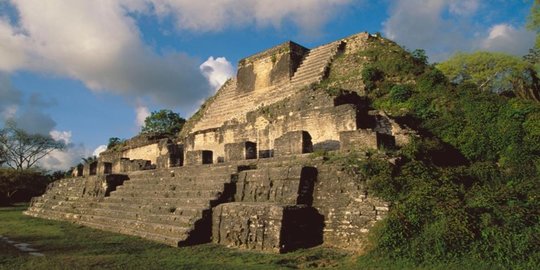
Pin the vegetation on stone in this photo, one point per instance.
(467, 188)
(163, 122)
(115, 142)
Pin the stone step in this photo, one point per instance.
(155, 228)
(320, 51)
(307, 77)
(200, 193)
(175, 186)
(168, 219)
(158, 200)
(318, 55)
(320, 64)
(168, 240)
(156, 209)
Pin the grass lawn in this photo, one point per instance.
(69, 246)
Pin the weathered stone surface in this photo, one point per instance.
(358, 140)
(198, 157)
(284, 184)
(293, 143)
(240, 151)
(349, 210)
(124, 165)
(90, 168)
(266, 227)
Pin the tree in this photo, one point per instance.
(114, 141)
(496, 72)
(90, 159)
(533, 21)
(163, 122)
(23, 150)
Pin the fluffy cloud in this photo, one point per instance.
(29, 114)
(504, 37)
(66, 158)
(217, 71)
(98, 150)
(216, 15)
(10, 97)
(141, 112)
(99, 42)
(442, 27)
(58, 135)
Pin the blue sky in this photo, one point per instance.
(83, 71)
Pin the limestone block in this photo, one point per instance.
(90, 168)
(77, 171)
(266, 226)
(104, 168)
(198, 157)
(358, 140)
(240, 151)
(126, 165)
(293, 143)
(171, 154)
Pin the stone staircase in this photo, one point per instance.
(171, 206)
(315, 64)
(60, 195)
(225, 106)
(167, 206)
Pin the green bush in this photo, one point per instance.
(400, 92)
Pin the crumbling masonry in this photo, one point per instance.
(242, 173)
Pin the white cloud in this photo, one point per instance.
(141, 112)
(11, 48)
(58, 135)
(10, 97)
(443, 27)
(217, 71)
(98, 150)
(504, 37)
(65, 159)
(464, 7)
(98, 43)
(216, 15)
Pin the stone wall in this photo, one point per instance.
(349, 210)
(266, 227)
(264, 126)
(285, 185)
(271, 67)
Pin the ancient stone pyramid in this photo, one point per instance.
(242, 172)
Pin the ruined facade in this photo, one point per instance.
(242, 172)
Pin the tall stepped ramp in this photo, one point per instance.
(315, 64)
(168, 206)
(231, 103)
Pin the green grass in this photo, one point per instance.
(70, 246)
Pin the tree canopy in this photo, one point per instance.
(163, 122)
(22, 150)
(494, 72)
(534, 21)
